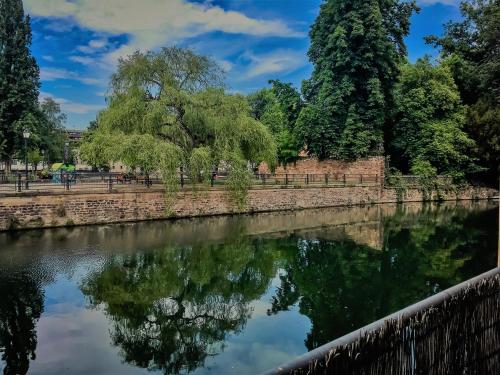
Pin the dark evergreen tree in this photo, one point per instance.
(356, 48)
(19, 78)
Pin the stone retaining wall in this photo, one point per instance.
(77, 209)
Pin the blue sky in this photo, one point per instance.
(77, 42)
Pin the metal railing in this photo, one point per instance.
(454, 331)
(412, 181)
(101, 182)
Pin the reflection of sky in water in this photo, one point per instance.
(264, 342)
(75, 338)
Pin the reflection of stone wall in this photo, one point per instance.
(334, 223)
(61, 210)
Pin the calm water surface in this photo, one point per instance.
(226, 295)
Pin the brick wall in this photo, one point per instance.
(76, 209)
(370, 166)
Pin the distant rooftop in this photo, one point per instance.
(75, 135)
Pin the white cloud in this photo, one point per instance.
(152, 23)
(59, 26)
(53, 74)
(97, 43)
(278, 61)
(93, 46)
(84, 60)
(227, 66)
(70, 106)
(48, 58)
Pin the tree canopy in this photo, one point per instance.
(472, 50)
(278, 109)
(429, 119)
(356, 49)
(168, 110)
(19, 78)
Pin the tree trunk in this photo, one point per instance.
(8, 166)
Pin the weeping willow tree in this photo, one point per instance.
(168, 111)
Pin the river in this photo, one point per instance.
(229, 294)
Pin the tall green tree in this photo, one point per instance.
(51, 131)
(168, 110)
(19, 78)
(278, 108)
(472, 50)
(428, 137)
(356, 49)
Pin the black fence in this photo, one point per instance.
(100, 182)
(412, 181)
(456, 331)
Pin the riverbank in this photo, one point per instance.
(44, 211)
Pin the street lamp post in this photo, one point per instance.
(26, 135)
(43, 158)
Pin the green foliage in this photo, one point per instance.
(483, 125)
(19, 78)
(238, 182)
(278, 108)
(172, 104)
(396, 180)
(429, 117)
(34, 157)
(471, 50)
(473, 43)
(98, 148)
(356, 49)
(51, 132)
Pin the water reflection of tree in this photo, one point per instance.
(21, 304)
(173, 308)
(342, 286)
